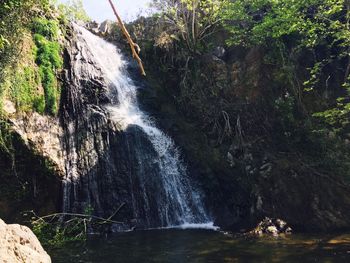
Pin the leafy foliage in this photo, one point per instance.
(73, 10)
(5, 138)
(193, 21)
(60, 228)
(45, 27)
(319, 26)
(12, 19)
(57, 234)
(19, 77)
(310, 22)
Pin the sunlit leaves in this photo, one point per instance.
(256, 21)
(73, 10)
(191, 20)
(304, 25)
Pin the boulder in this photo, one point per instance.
(19, 244)
(271, 226)
(106, 27)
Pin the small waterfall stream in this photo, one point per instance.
(165, 196)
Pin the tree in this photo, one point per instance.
(193, 21)
(74, 10)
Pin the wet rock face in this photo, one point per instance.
(88, 133)
(18, 244)
(105, 166)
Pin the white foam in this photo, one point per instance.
(184, 226)
(208, 226)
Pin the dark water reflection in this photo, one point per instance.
(205, 246)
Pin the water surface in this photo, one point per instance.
(175, 245)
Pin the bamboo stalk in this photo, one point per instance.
(130, 41)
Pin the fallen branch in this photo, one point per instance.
(116, 212)
(58, 228)
(133, 45)
(105, 220)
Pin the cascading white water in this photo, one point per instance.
(180, 204)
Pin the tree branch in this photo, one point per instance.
(132, 44)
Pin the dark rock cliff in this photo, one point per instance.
(28, 182)
(96, 153)
(244, 138)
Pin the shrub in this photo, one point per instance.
(49, 82)
(46, 28)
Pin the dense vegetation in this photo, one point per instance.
(31, 55)
(295, 28)
(287, 30)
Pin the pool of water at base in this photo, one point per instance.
(176, 245)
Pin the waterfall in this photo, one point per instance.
(161, 192)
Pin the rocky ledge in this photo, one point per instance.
(19, 244)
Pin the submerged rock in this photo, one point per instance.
(19, 244)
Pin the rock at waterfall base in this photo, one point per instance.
(18, 244)
(271, 226)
